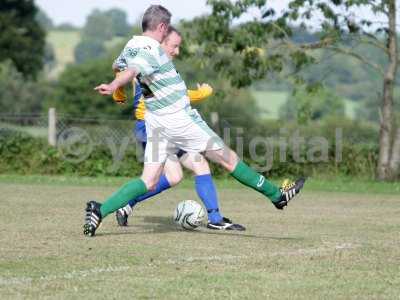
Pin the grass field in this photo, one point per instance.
(63, 43)
(326, 245)
(270, 103)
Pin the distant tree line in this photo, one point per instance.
(101, 27)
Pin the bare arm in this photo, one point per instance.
(125, 77)
(115, 67)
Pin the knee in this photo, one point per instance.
(174, 177)
(150, 183)
(202, 167)
(232, 162)
(227, 158)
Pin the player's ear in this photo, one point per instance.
(163, 27)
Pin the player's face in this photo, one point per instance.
(171, 44)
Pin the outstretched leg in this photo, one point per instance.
(249, 177)
(96, 212)
(172, 176)
(207, 192)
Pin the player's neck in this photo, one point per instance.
(154, 35)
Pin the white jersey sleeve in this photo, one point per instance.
(142, 60)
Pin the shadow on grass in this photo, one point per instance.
(163, 224)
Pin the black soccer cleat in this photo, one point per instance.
(122, 217)
(288, 191)
(225, 224)
(92, 218)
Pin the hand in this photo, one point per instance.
(122, 102)
(204, 86)
(105, 89)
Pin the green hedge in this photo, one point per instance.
(23, 154)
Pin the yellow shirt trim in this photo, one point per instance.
(140, 109)
(195, 96)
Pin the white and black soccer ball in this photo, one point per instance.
(189, 214)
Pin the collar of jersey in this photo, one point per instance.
(147, 39)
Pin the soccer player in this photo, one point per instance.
(172, 173)
(171, 124)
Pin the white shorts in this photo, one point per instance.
(183, 130)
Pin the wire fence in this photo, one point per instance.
(76, 138)
(100, 130)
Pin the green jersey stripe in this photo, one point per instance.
(148, 58)
(167, 67)
(165, 82)
(168, 100)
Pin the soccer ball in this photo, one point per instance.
(189, 214)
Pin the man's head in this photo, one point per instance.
(172, 42)
(155, 22)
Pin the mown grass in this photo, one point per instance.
(320, 183)
(326, 245)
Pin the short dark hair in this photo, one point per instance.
(173, 29)
(155, 15)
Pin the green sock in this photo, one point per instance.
(120, 198)
(246, 175)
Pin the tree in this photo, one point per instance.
(119, 23)
(22, 40)
(100, 27)
(104, 25)
(75, 95)
(266, 45)
(370, 108)
(44, 20)
(49, 57)
(224, 96)
(88, 49)
(303, 106)
(19, 95)
(66, 26)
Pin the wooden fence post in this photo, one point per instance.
(52, 127)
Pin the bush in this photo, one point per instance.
(74, 92)
(23, 154)
(19, 95)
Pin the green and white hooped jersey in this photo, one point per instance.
(156, 70)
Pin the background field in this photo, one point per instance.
(270, 103)
(63, 43)
(327, 245)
